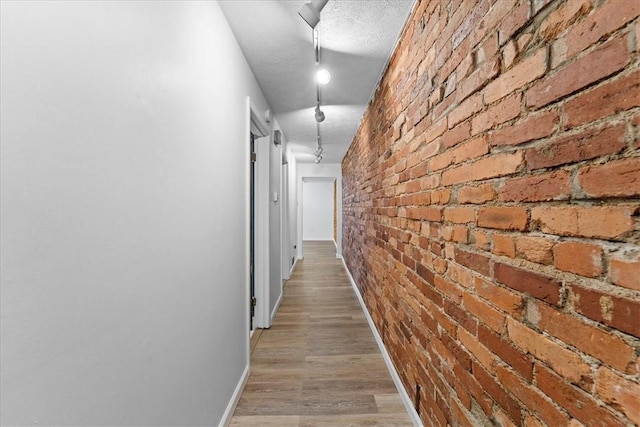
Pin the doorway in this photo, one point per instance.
(318, 200)
(252, 230)
(257, 193)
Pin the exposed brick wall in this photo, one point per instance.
(491, 204)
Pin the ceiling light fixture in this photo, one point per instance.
(318, 159)
(310, 12)
(319, 114)
(323, 76)
(318, 151)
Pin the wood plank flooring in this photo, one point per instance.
(318, 364)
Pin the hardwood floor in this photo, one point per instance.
(319, 365)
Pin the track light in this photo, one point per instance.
(318, 159)
(323, 76)
(319, 114)
(310, 12)
(318, 151)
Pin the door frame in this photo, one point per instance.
(257, 126)
(307, 179)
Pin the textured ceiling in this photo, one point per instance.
(356, 40)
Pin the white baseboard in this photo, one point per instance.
(235, 398)
(293, 266)
(413, 414)
(277, 306)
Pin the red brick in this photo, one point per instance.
(466, 109)
(489, 49)
(618, 312)
(537, 188)
(448, 289)
(608, 222)
(579, 258)
(426, 214)
(461, 416)
(509, 53)
(441, 161)
(610, 98)
(460, 234)
(531, 397)
(471, 84)
(561, 18)
(463, 152)
(429, 150)
(600, 63)
(535, 249)
(496, 13)
(515, 358)
(475, 389)
(504, 218)
(481, 239)
(542, 287)
(531, 421)
(476, 262)
(625, 273)
(487, 315)
(435, 130)
(470, 150)
(496, 391)
(480, 352)
(565, 362)
(463, 319)
(491, 167)
(432, 278)
(637, 36)
(499, 297)
(586, 145)
(518, 17)
(479, 194)
(505, 110)
(604, 21)
(456, 135)
(621, 393)
(619, 178)
(578, 403)
(440, 197)
(504, 245)
(534, 126)
(528, 70)
(593, 341)
(460, 215)
(503, 419)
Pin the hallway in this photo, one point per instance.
(319, 365)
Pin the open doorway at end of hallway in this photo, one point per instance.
(319, 210)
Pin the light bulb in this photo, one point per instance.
(323, 76)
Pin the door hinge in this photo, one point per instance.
(253, 301)
(254, 157)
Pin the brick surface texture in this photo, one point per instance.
(492, 211)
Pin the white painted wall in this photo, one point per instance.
(293, 210)
(317, 210)
(322, 170)
(123, 216)
(275, 224)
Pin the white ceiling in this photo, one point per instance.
(356, 40)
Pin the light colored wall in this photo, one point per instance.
(322, 170)
(293, 209)
(123, 232)
(275, 224)
(317, 210)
